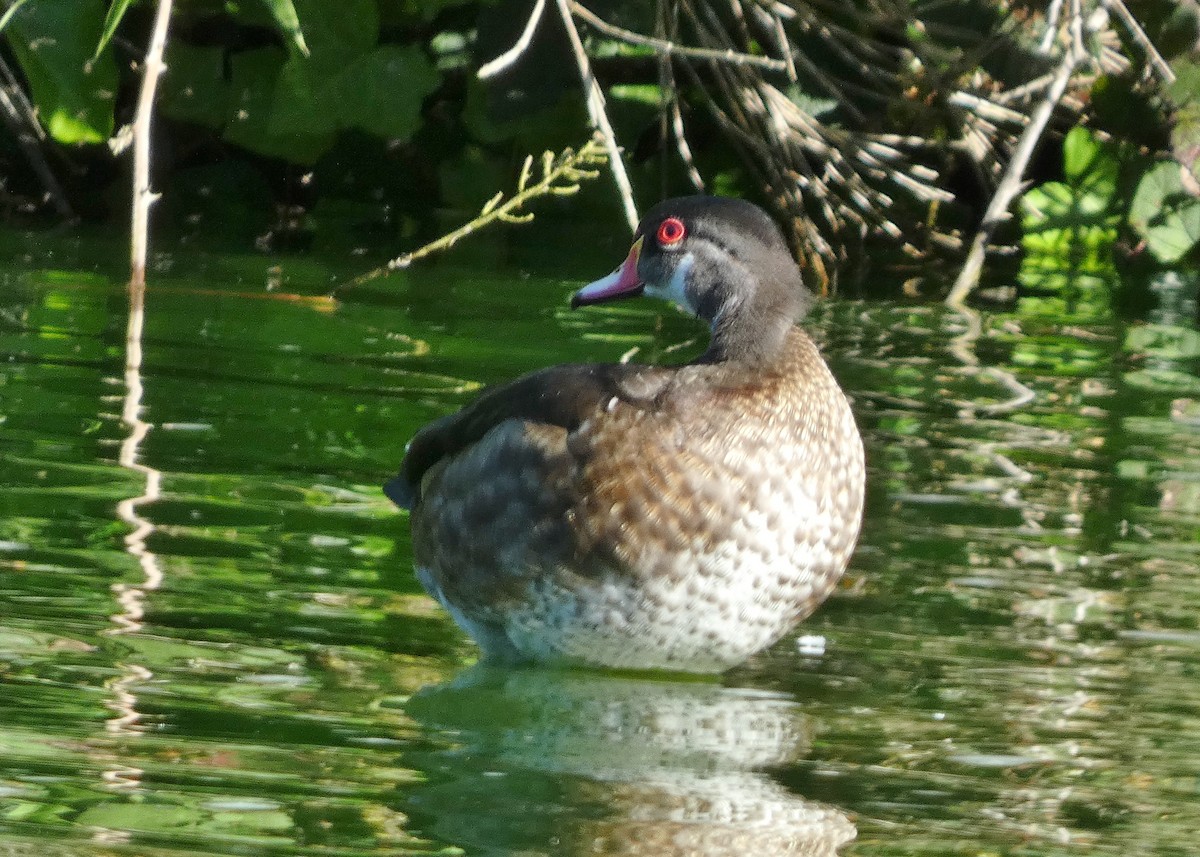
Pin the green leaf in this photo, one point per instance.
(1074, 223)
(53, 40)
(381, 92)
(645, 94)
(285, 16)
(1076, 228)
(298, 105)
(292, 107)
(1090, 165)
(112, 20)
(1185, 132)
(1165, 214)
(253, 103)
(1186, 88)
(338, 32)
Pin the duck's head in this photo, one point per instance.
(723, 260)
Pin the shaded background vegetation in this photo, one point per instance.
(877, 128)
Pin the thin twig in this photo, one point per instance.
(9, 12)
(681, 144)
(511, 55)
(1052, 16)
(667, 26)
(1010, 185)
(986, 108)
(785, 48)
(1024, 90)
(561, 175)
(599, 116)
(143, 198)
(669, 48)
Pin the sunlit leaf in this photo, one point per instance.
(54, 43)
(813, 105)
(1165, 214)
(1090, 165)
(112, 20)
(1075, 222)
(1065, 223)
(647, 94)
(285, 16)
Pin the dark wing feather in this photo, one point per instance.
(560, 395)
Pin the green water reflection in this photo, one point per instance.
(1012, 667)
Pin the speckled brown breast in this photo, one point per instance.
(688, 533)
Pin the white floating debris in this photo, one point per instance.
(994, 760)
(811, 645)
(321, 541)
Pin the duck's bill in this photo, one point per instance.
(621, 283)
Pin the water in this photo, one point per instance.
(211, 641)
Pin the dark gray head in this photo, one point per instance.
(723, 260)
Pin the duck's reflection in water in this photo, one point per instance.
(549, 762)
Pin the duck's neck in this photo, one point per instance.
(749, 335)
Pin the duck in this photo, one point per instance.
(649, 517)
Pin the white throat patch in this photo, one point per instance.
(674, 290)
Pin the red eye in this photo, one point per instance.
(670, 231)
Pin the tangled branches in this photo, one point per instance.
(850, 116)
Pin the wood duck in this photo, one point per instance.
(650, 517)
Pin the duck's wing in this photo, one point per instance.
(561, 396)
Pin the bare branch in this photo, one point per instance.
(143, 198)
(510, 56)
(599, 116)
(998, 209)
(1053, 14)
(669, 48)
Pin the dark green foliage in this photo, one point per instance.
(881, 129)
(292, 104)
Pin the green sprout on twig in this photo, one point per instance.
(561, 175)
